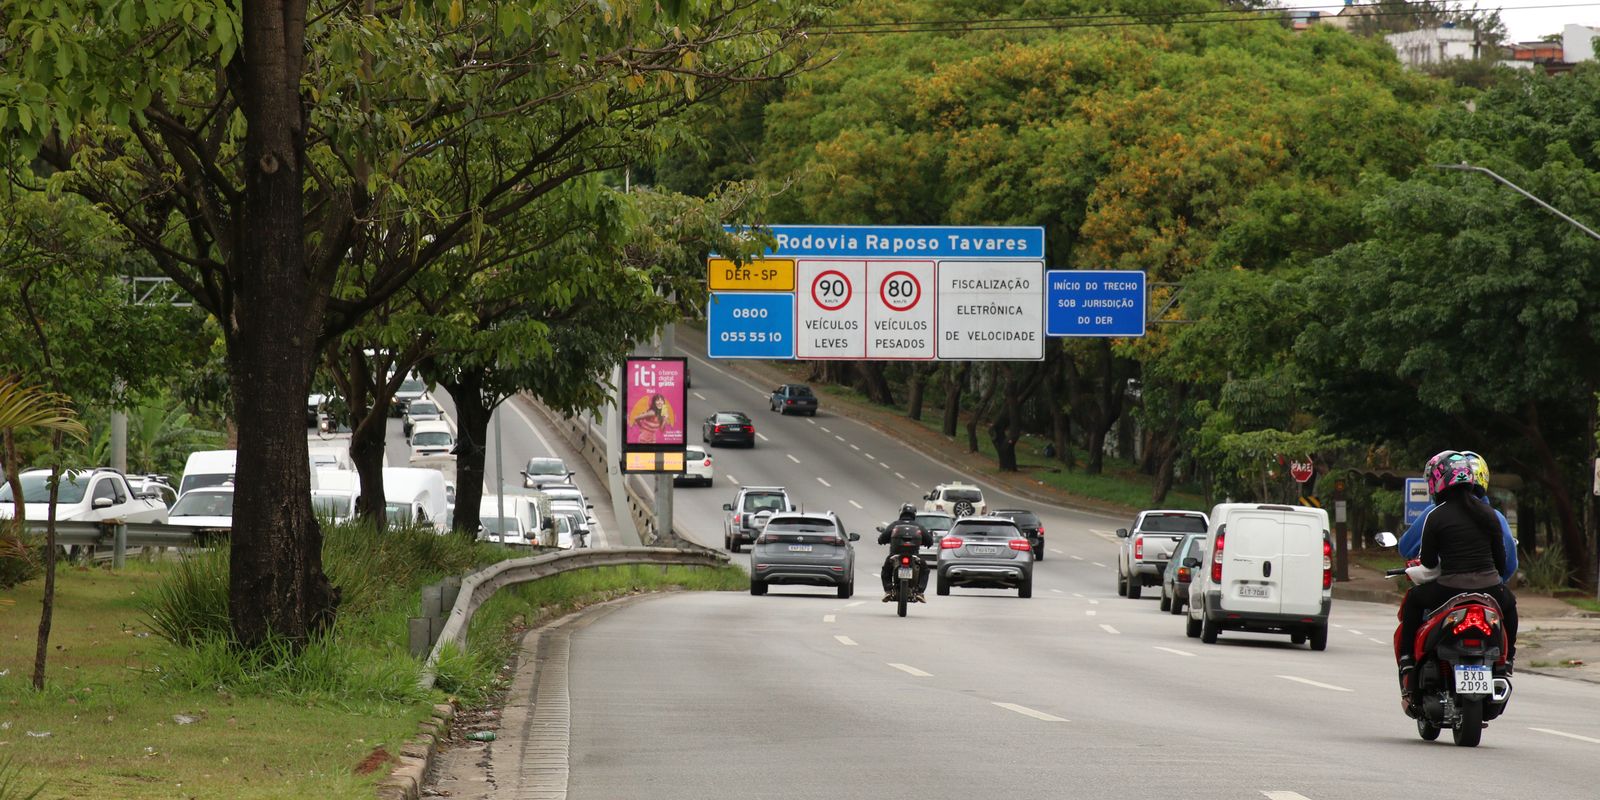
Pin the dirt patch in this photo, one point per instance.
(378, 759)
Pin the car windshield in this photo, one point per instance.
(800, 391)
(412, 386)
(431, 439)
(199, 481)
(499, 525)
(963, 496)
(764, 502)
(731, 419)
(986, 529)
(780, 528)
(423, 409)
(935, 522)
(398, 515)
(547, 466)
(204, 504)
(1173, 523)
(693, 455)
(564, 494)
(36, 489)
(334, 506)
(1027, 518)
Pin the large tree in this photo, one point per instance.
(294, 165)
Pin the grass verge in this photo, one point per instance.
(128, 714)
(1585, 603)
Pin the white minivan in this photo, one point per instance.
(415, 497)
(208, 468)
(1269, 569)
(432, 438)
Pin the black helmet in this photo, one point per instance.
(907, 511)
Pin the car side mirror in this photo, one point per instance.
(1385, 539)
(727, 506)
(1192, 563)
(103, 502)
(1122, 533)
(879, 529)
(855, 537)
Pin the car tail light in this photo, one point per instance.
(738, 518)
(951, 543)
(716, 429)
(833, 540)
(1216, 558)
(707, 463)
(749, 429)
(1020, 544)
(1138, 547)
(788, 402)
(1327, 563)
(1472, 618)
(1041, 529)
(1183, 574)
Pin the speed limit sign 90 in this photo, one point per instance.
(832, 309)
(831, 290)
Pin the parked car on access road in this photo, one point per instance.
(793, 398)
(985, 553)
(804, 548)
(728, 427)
(206, 509)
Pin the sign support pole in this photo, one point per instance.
(611, 425)
(1341, 534)
(664, 533)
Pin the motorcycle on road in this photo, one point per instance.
(1459, 682)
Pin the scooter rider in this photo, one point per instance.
(1461, 537)
(901, 535)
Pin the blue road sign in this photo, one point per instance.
(1094, 303)
(906, 241)
(750, 325)
(1416, 499)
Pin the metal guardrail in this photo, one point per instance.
(589, 441)
(477, 588)
(119, 536)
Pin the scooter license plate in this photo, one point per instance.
(904, 574)
(1474, 680)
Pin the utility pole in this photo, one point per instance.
(665, 345)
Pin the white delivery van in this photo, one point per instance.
(334, 493)
(1269, 570)
(324, 458)
(415, 497)
(432, 438)
(208, 468)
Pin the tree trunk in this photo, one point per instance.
(368, 442)
(1006, 423)
(473, 413)
(914, 391)
(277, 587)
(872, 383)
(1166, 462)
(47, 613)
(955, 382)
(980, 412)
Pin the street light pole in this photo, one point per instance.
(1589, 510)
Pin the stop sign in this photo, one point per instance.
(1300, 470)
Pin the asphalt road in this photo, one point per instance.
(1073, 693)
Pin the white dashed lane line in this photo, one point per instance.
(1283, 795)
(898, 475)
(846, 641)
(731, 479)
(763, 437)
(698, 396)
(912, 671)
(856, 603)
(1057, 552)
(1098, 564)
(881, 464)
(1057, 591)
(869, 457)
(1109, 629)
(854, 503)
(837, 436)
(1564, 734)
(1354, 631)
(792, 458)
(1090, 613)
(1318, 684)
(1094, 602)
(1175, 651)
(1077, 558)
(853, 447)
(1378, 641)
(824, 429)
(812, 421)
(1028, 712)
(828, 617)
(823, 482)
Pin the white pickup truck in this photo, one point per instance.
(84, 496)
(1145, 549)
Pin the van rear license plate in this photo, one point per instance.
(981, 550)
(1249, 590)
(799, 548)
(1473, 680)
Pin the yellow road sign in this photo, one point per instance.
(766, 275)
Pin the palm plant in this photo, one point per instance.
(26, 408)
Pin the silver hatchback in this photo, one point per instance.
(986, 553)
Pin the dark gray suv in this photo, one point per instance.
(804, 548)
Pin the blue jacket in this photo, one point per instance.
(1411, 542)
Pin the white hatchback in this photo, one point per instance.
(696, 467)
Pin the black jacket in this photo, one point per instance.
(908, 526)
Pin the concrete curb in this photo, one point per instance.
(1358, 594)
(416, 757)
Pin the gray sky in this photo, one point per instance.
(1525, 20)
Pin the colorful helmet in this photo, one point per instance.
(1480, 471)
(1447, 469)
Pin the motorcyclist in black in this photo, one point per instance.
(901, 535)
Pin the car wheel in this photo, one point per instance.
(847, 589)
(1319, 637)
(1209, 631)
(708, 481)
(1192, 628)
(1025, 589)
(1166, 602)
(1122, 585)
(811, 413)
(1135, 587)
(758, 588)
(942, 586)
(735, 545)
(1177, 606)
(1038, 552)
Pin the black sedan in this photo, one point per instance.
(728, 427)
(1030, 525)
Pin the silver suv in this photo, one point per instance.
(743, 522)
(807, 548)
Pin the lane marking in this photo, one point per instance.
(1057, 552)
(1337, 625)
(1090, 613)
(1375, 641)
(1094, 602)
(1077, 594)
(881, 464)
(846, 641)
(1318, 684)
(914, 484)
(825, 429)
(912, 671)
(837, 436)
(1077, 558)
(869, 457)
(1174, 651)
(856, 603)
(823, 482)
(1109, 629)
(828, 617)
(762, 437)
(1356, 632)
(898, 475)
(1028, 712)
(698, 396)
(1588, 739)
(792, 458)
(853, 447)
(731, 479)
(1098, 564)
(810, 420)
(1284, 795)
(852, 502)
(1058, 591)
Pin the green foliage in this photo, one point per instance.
(19, 557)
(1547, 570)
(11, 786)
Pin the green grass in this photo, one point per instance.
(1120, 483)
(1585, 603)
(269, 725)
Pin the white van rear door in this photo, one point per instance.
(1252, 561)
(1302, 563)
